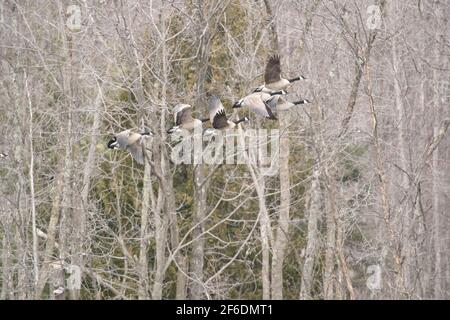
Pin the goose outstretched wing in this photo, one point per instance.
(273, 70)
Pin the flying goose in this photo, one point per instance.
(131, 142)
(256, 102)
(183, 118)
(218, 117)
(266, 105)
(272, 77)
(3, 155)
(279, 103)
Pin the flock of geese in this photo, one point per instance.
(265, 101)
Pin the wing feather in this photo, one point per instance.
(136, 152)
(273, 70)
(184, 116)
(214, 106)
(178, 110)
(278, 103)
(122, 139)
(256, 104)
(220, 120)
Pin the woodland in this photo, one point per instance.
(359, 207)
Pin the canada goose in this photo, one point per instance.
(279, 103)
(183, 118)
(3, 155)
(256, 102)
(272, 77)
(131, 142)
(218, 117)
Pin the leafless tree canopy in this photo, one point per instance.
(359, 208)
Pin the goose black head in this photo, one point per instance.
(112, 144)
(238, 104)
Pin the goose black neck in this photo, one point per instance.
(300, 102)
(295, 79)
(276, 93)
(240, 120)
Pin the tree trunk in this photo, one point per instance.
(32, 193)
(313, 243)
(439, 275)
(281, 237)
(404, 210)
(161, 224)
(143, 289)
(329, 277)
(200, 184)
(198, 246)
(265, 234)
